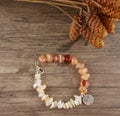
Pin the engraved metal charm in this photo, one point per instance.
(88, 99)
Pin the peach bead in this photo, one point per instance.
(42, 59)
(85, 76)
(49, 57)
(79, 65)
(74, 61)
(83, 71)
(83, 90)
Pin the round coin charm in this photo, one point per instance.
(88, 99)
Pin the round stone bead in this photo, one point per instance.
(68, 58)
(85, 76)
(74, 61)
(55, 58)
(79, 65)
(42, 59)
(84, 83)
(83, 71)
(49, 57)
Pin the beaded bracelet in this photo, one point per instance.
(84, 98)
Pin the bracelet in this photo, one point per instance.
(84, 98)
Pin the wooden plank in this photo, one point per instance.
(27, 30)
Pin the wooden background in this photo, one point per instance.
(27, 30)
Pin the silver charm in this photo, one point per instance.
(88, 99)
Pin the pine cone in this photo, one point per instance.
(108, 3)
(74, 29)
(111, 12)
(92, 38)
(96, 26)
(109, 23)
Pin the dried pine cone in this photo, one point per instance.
(111, 12)
(74, 29)
(92, 38)
(96, 26)
(99, 22)
(109, 23)
(107, 3)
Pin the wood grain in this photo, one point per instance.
(27, 30)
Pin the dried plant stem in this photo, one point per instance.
(47, 2)
(98, 5)
(75, 3)
(55, 4)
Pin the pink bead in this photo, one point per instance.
(83, 71)
(74, 61)
(42, 59)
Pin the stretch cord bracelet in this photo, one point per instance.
(83, 98)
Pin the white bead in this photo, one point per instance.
(52, 105)
(38, 81)
(70, 105)
(64, 106)
(56, 103)
(37, 76)
(67, 106)
(41, 88)
(41, 94)
(72, 102)
(60, 105)
(49, 102)
(76, 102)
(35, 85)
(44, 97)
(78, 98)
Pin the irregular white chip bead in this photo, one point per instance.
(37, 76)
(72, 102)
(42, 87)
(78, 98)
(38, 81)
(76, 102)
(41, 94)
(64, 106)
(35, 85)
(70, 105)
(60, 105)
(67, 106)
(44, 97)
(52, 105)
(49, 102)
(56, 103)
